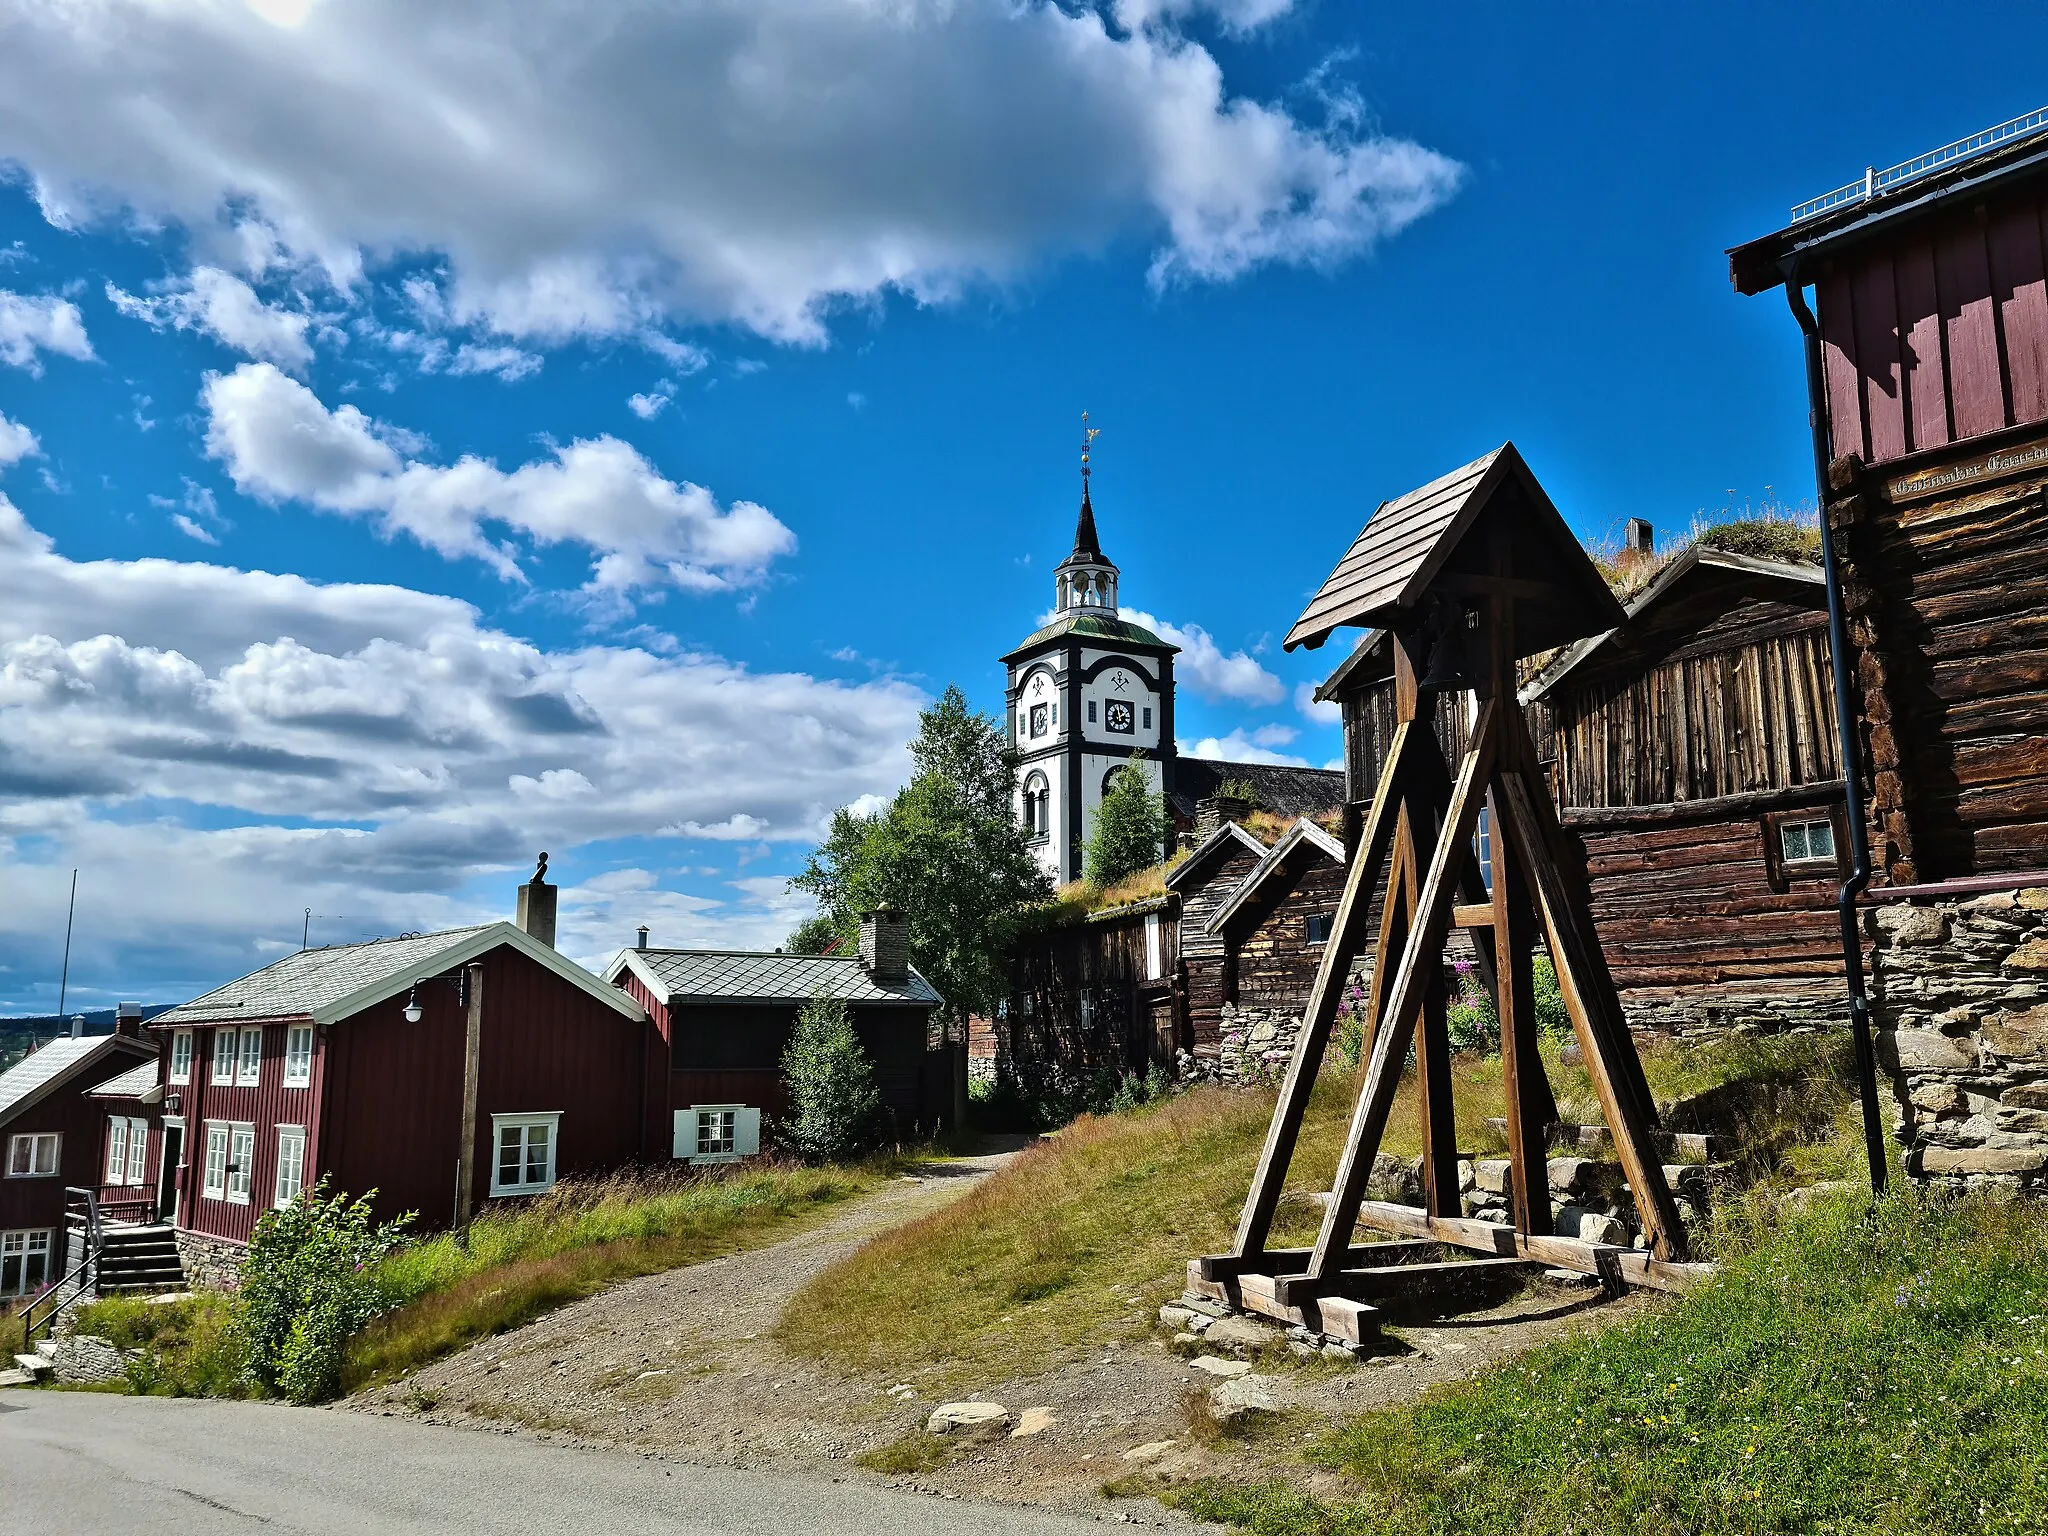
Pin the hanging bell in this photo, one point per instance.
(1445, 625)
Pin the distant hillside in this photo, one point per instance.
(19, 1034)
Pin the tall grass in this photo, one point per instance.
(1854, 1370)
(516, 1264)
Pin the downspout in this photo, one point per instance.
(1846, 737)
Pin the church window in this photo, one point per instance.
(1038, 719)
(1036, 798)
(1119, 715)
(1091, 711)
(1147, 713)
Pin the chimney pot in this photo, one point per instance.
(1641, 537)
(78, 1026)
(536, 913)
(643, 937)
(885, 945)
(128, 1020)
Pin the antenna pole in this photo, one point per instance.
(306, 928)
(64, 982)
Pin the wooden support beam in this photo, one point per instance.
(1634, 1266)
(1421, 958)
(1529, 1109)
(1399, 1283)
(1347, 934)
(1285, 1261)
(1339, 1317)
(1467, 915)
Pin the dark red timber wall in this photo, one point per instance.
(657, 1127)
(1940, 335)
(394, 1090)
(82, 1121)
(266, 1105)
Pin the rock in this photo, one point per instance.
(1802, 1198)
(1569, 1172)
(1151, 1450)
(1302, 1351)
(2027, 1096)
(1202, 1306)
(1033, 1421)
(1186, 1340)
(2019, 1036)
(1935, 1160)
(2034, 900)
(1589, 1226)
(1173, 1315)
(1906, 926)
(1239, 1334)
(1940, 1099)
(1236, 1399)
(1927, 1050)
(2031, 956)
(1956, 1021)
(1494, 1175)
(1216, 1365)
(1336, 1350)
(2032, 1121)
(1571, 1277)
(968, 1419)
(1465, 1174)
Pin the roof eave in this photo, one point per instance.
(1303, 831)
(51, 1085)
(481, 942)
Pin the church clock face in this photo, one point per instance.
(1118, 715)
(1038, 720)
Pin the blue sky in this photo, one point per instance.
(601, 428)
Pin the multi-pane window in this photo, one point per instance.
(224, 1055)
(1482, 846)
(24, 1261)
(241, 1158)
(291, 1162)
(250, 1067)
(714, 1132)
(127, 1143)
(526, 1153)
(138, 1149)
(181, 1056)
(215, 1184)
(1319, 927)
(34, 1155)
(298, 1056)
(1806, 841)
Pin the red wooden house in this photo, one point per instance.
(52, 1139)
(440, 1071)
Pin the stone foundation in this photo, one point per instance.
(1707, 1013)
(83, 1359)
(211, 1263)
(1258, 1042)
(1959, 993)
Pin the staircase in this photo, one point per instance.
(30, 1367)
(137, 1259)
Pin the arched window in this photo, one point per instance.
(1037, 798)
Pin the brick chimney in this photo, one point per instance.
(1641, 538)
(885, 945)
(128, 1020)
(536, 914)
(1211, 813)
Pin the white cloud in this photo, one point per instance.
(414, 752)
(280, 442)
(1324, 713)
(1238, 747)
(29, 326)
(1204, 667)
(511, 364)
(598, 169)
(192, 529)
(227, 309)
(16, 442)
(679, 355)
(651, 404)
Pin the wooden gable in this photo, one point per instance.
(1429, 539)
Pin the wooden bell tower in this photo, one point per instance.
(1466, 575)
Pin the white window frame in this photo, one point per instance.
(1804, 826)
(1155, 949)
(117, 1150)
(214, 1177)
(291, 1156)
(17, 1246)
(298, 1055)
(249, 1058)
(138, 1152)
(689, 1133)
(525, 1124)
(181, 1056)
(25, 1159)
(241, 1161)
(223, 1074)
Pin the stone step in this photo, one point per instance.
(34, 1366)
(13, 1378)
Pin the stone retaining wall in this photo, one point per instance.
(1707, 1013)
(211, 1263)
(83, 1359)
(1259, 1042)
(1959, 993)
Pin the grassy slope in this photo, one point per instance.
(1081, 1234)
(1847, 1373)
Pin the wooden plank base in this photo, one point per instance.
(1287, 1261)
(1404, 1284)
(1339, 1317)
(1629, 1265)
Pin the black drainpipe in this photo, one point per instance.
(1846, 735)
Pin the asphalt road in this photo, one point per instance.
(91, 1463)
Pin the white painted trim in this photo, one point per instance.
(298, 1079)
(469, 948)
(233, 1036)
(1228, 832)
(241, 1177)
(552, 1119)
(209, 1190)
(1303, 831)
(21, 1235)
(278, 1198)
(35, 1139)
(184, 1037)
(248, 1075)
(746, 1133)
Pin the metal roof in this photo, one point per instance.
(746, 976)
(338, 980)
(1094, 626)
(43, 1070)
(132, 1084)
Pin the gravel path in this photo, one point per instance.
(682, 1365)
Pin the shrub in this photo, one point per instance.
(190, 1347)
(308, 1283)
(1552, 1017)
(1472, 1022)
(835, 1108)
(1130, 827)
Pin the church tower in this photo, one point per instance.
(1087, 693)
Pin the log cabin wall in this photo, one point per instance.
(1276, 961)
(1098, 993)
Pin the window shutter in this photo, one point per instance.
(746, 1132)
(686, 1133)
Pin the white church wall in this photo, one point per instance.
(1101, 691)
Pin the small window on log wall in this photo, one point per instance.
(1802, 845)
(1319, 927)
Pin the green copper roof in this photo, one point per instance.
(1093, 626)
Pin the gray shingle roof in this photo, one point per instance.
(26, 1076)
(132, 1084)
(1283, 789)
(312, 979)
(701, 975)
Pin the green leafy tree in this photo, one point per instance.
(949, 853)
(813, 936)
(309, 1282)
(835, 1107)
(1129, 830)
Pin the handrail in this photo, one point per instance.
(1874, 181)
(84, 1273)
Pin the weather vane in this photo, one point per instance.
(1088, 436)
